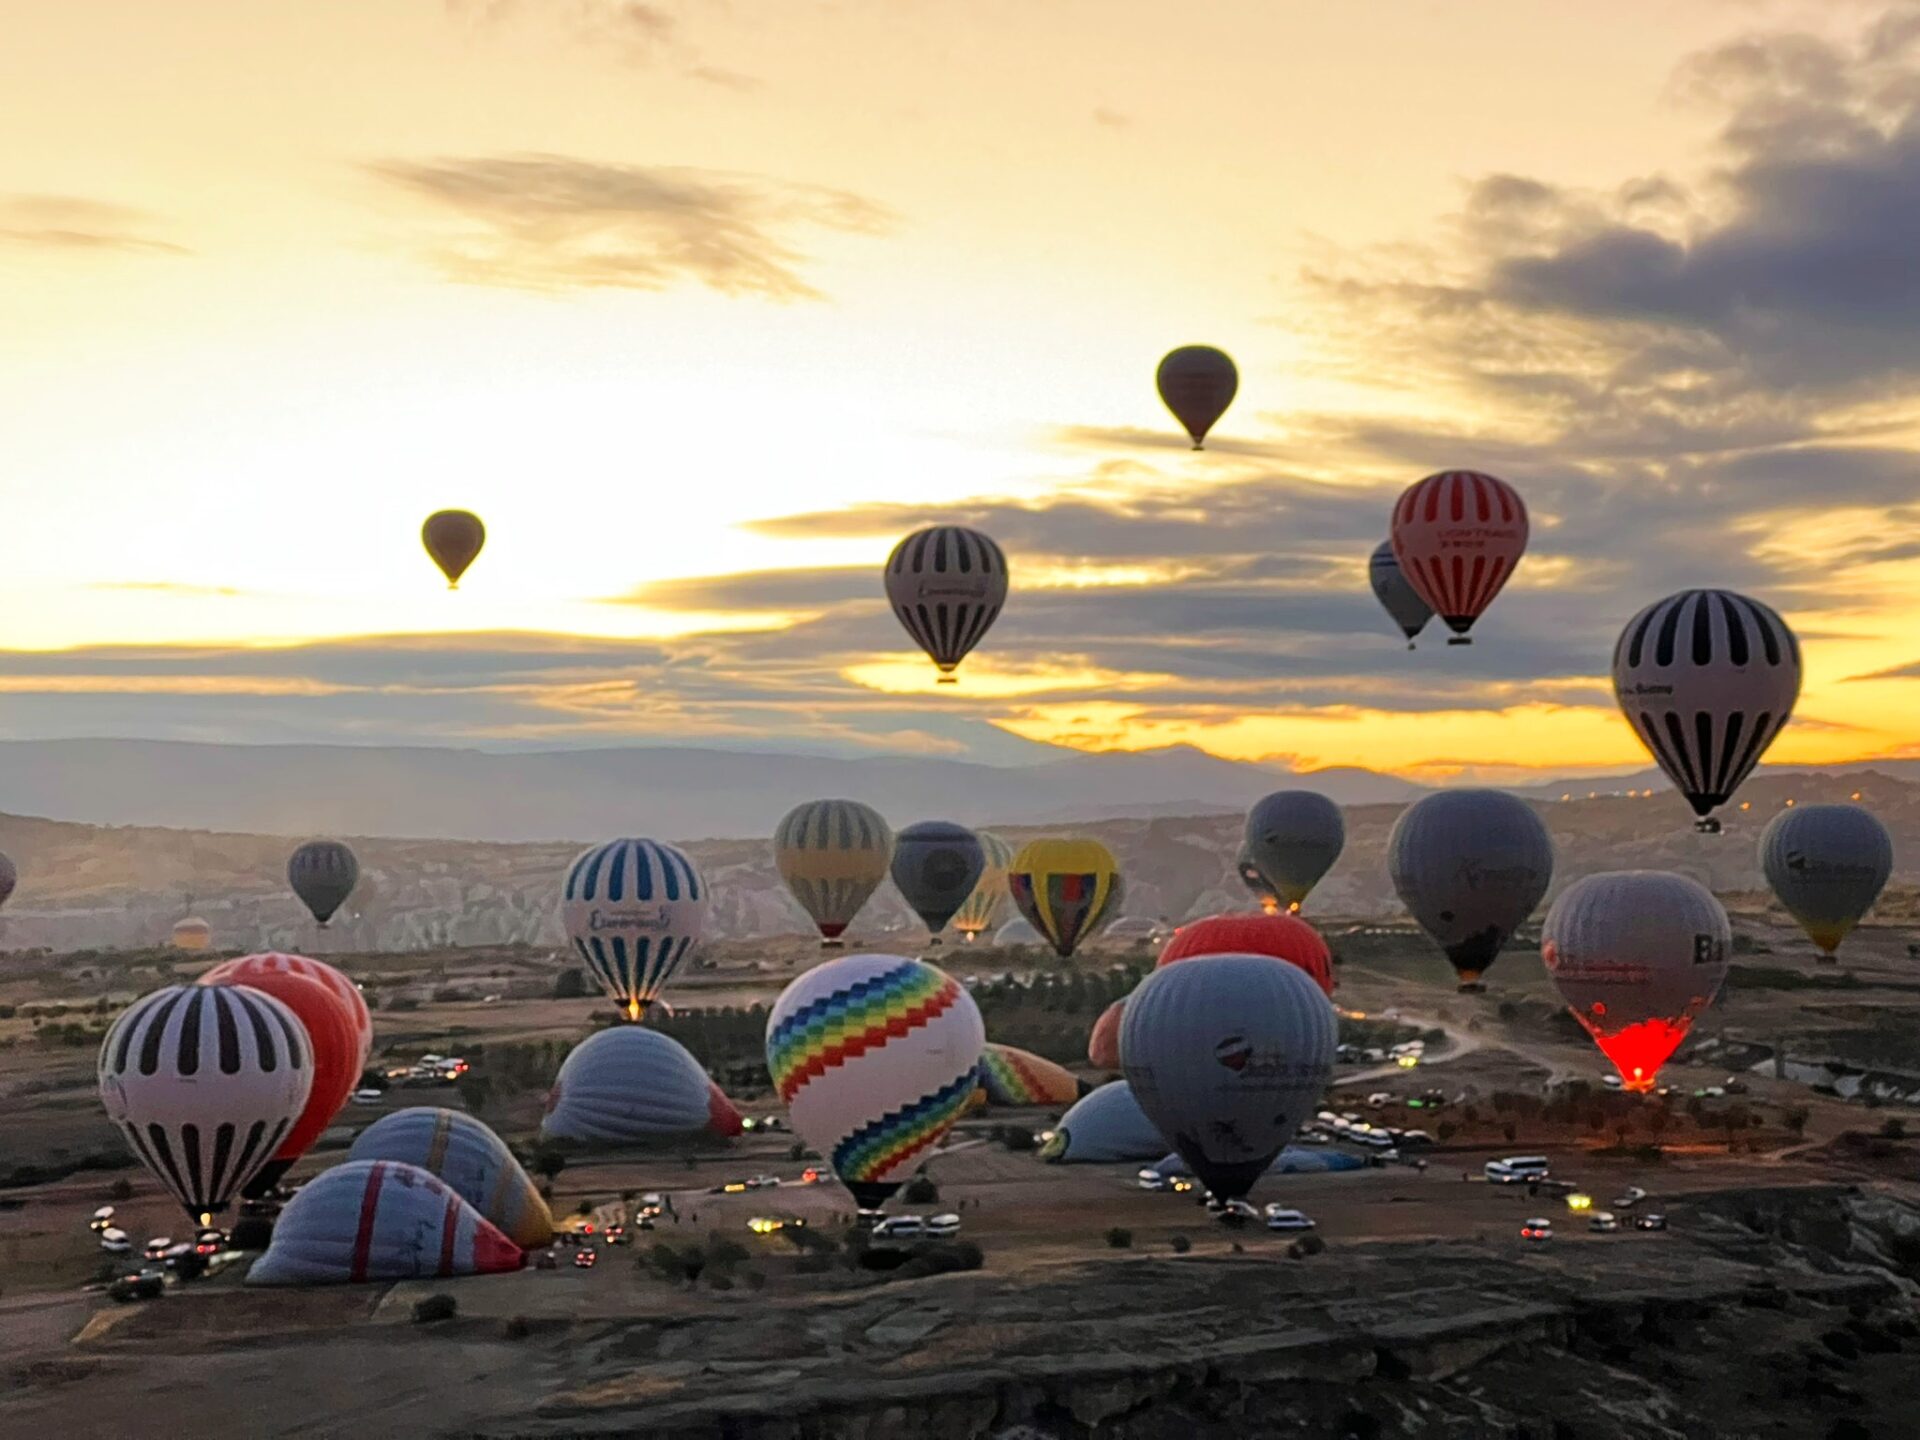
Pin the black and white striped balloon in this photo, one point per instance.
(1707, 679)
(946, 584)
(204, 1081)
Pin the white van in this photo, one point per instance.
(1517, 1169)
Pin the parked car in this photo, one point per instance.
(1629, 1197)
(368, 1096)
(1237, 1212)
(144, 1285)
(1281, 1218)
(774, 1224)
(102, 1218)
(899, 1227)
(546, 1260)
(209, 1241)
(157, 1247)
(1650, 1222)
(1538, 1228)
(651, 1204)
(1517, 1169)
(941, 1227)
(1379, 1098)
(115, 1242)
(586, 1257)
(1152, 1180)
(1601, 1222)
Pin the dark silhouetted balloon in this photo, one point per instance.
(453, 538)
(1470, 865)
(323, 874)
(946, 585)
(936, 864)
(1396, 595)
(1197, 383)
(1827, 864)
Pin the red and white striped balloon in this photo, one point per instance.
(1458, 536)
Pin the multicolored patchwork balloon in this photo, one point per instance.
(1066, 888)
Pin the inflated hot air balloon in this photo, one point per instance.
(1197, 383)
(1103, 1042)
(1707, 679)
(1257, 884)
(935, 866)
(1066, 888)
(204, 1082)
(633, 909)
(832, 854)
(380, 1220)
(1283, 937)
(947, 584)
(1458, 536)
(875, 1057)
(1105, 1127)
(1227, 1054)
(1637, 955)
(192, 933)
(9, 877)
(244, 969)
(453, 538)
(323, 874)
(1293, 838)
(981, 909)
(1470, 865)
(1019, 1077)
(633, 1086)
(1827, 864)
(469, 1159)
(1396, 595)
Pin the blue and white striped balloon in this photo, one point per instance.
(633, 910)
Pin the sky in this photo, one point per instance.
(701, 306)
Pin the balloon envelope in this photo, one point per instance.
(1396, 594)
(1019, 1077)
(1257, 884)
(1827, 864)
(1458, 536)
(1197, 383)
(242, 969)
(981, 909)
(192, 933)
(204, 1082)
(633, 910)
(1707, 679)
(935, 865)
(1103, 1044)
(380, 1220)
(469, 1159)
(1470, 865)
(1227, 1054)
(1065, 888)
(323, 874)
(1293, 837)
(832, 855)
(875, 1057)
(946, 585)
(634, 1086)
(1637, 955)
(453, 538)
(9, 877)
(1282, 937)
(1105, 1126)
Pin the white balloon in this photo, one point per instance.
(633, 909)
(629, 1086)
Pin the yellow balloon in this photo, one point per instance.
(983, 906)
(1067, 889)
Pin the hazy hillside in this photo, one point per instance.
(98, 886)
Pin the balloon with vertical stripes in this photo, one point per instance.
(204, 1082)
(1707, 679)
(981, 910)
(633, 910)
(1458, 536)
(832, 855)
(946, 584)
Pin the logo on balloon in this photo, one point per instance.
(645, 919)
(1234, 1052)
(952, 588)
(1707, 950)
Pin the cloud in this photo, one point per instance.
(554, 222)
(75, 225)
(726, 79)
(1111, 119)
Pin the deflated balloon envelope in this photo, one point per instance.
(1019, 1077)
(466, 1156)
(1106, 1126)
(1227, 1054)
(1827, 864)
(632, 1086)
(1470, 865)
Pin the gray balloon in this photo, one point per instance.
(9, 877)
(1293, 838)
(1104, 1126)
(1227, 1055)
(1396, 593)
(1470, 866)
(936, 864)
(323, 873)
(1827, 864)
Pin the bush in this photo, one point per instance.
(1181, 1244)
(921, 1191)
(517, 1328)
(1016, 1138)
(1119, 1238)
(434, 1307)
(1306, 1245)
(949, 1258)
(1894, 1128)
(121, 1189)
(571, 984)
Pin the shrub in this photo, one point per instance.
(517, 1328)
(1181, 1244)
(949, 1258)
(1894, 1128)
(1306, 1245)
(1120, 1238)
(921, 1191)
(434, 1307)
(570, 984)
(121, 1189)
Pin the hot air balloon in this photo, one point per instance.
(1458, 536)
(947, 584)
(192, 933)
(242, 970)
(1227, 1054)
(380, 1220)
(1470, 865)
(1827, 864)
(1283, 937)
(1256, 883)
(1197, 383)
(205, 1081)
(1396, 594)
(936, 864)
(1065, 888)
(1637, 955)
(1293, 838)
(832, 854)
(633, 910)
(453, 538)
(1707, 679)
(1104, 1127)
(1019, 1077)
(875, 1057)
(323, 873)
(469, 1159)
(981, 910)
(633, 1086)
(1103, 1043)
(9, 877)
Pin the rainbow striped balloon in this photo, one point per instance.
(1019, 1077)
(875, 1056)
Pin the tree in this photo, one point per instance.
(571, 984)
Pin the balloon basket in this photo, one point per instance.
(948, 680)
(1706, 827)
(1456, 640)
